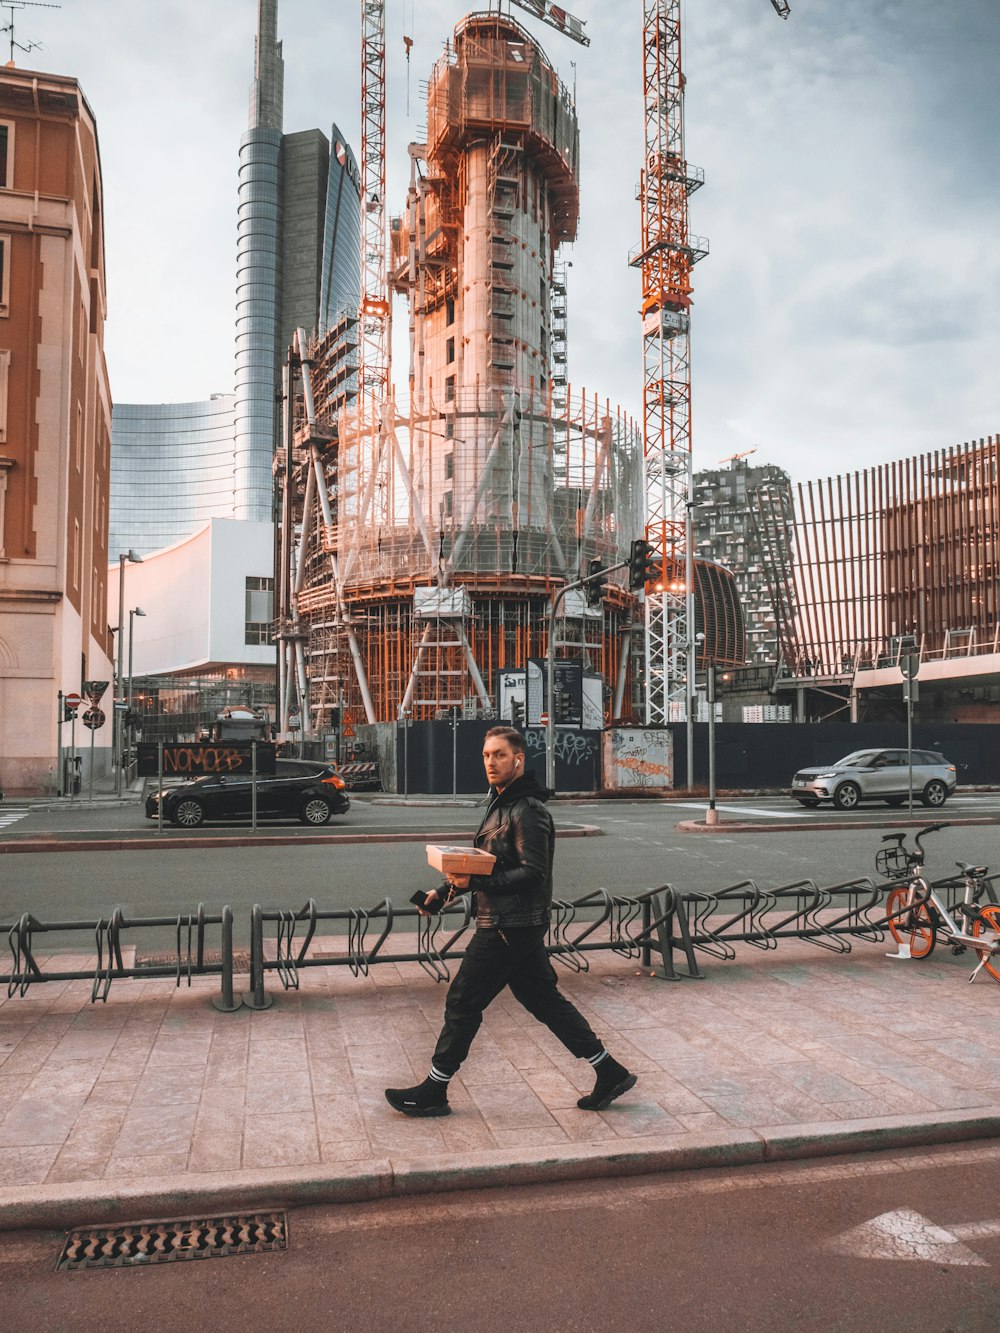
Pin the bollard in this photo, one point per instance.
(257, 998)
(226, 1003)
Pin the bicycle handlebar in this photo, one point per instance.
(931, 828)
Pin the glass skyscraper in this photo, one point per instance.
(340, 291)
(176, 465)
(171, 471)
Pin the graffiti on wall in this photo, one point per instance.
(195, 760)
(637, 757)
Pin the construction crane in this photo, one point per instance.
(374, 314)
(556, 17)
(743, 453)
(665, 256)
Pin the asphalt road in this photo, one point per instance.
(640, 847)
(894, 1243)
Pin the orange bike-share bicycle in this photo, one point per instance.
(917, 912)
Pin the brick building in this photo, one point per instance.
(55, 423)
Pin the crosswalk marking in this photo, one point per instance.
(745, 810)
(8, 817)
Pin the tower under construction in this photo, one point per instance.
(423, 536)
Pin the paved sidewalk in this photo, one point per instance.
(155, 1101)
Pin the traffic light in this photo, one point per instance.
(517, 714)
(643, 565)
(69, 713)
(597, 581)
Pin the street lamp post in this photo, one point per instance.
(135, 611)
(116, 726)
(689, 621)
(711, 814)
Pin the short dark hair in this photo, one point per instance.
(513, 738)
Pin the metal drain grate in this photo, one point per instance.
(138, 1243)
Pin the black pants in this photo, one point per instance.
(520, 962)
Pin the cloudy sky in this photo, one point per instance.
(847, 312)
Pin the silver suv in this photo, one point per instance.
(876, 775)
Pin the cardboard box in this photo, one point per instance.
(460, 860)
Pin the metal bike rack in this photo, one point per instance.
(107, 933)
(438, 937)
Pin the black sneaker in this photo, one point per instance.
(426, 1099)
(613, 1081)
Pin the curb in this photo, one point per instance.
(826, 826)
(102, 1203)
(210, 843)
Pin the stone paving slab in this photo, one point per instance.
(767, 1055)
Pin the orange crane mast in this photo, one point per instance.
(665, 256)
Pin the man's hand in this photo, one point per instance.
(430, 896)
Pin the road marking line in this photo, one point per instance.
(11, 817)
(908, 1235)
(745, 810)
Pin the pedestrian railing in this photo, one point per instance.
(439, 938)
(666, 929)
(190, 959)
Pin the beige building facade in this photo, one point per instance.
(55, 426)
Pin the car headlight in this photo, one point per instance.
(822, 777)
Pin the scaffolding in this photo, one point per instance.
(423, 538)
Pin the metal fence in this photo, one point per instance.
(190, 959)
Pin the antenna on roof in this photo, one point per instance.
(9, 27)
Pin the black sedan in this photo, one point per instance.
(311, 791)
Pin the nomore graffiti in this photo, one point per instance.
(195, 760)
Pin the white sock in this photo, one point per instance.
(438, 1077)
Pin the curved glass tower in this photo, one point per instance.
(340, 290)
(171, 470)
(257, 275)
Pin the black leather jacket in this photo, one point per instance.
(518, 830)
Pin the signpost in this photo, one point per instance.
(93, 718)
(909, 665)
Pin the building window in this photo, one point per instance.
(5, 465)
(449, 308)
(449, 389)
(4, 376)
(6, 154)
(449, 429)
(450, 349)
(449, 504)
(4, 275)
(449, 466)
(76, 554)
(259, 611)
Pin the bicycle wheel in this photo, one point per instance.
(987, 925)
(914, 926)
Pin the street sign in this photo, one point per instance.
(94, 718)
(72, 700)
(95, 690)
(347, 731)
(909, 664)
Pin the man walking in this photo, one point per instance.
(508, 948)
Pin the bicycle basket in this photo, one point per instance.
(892, 862)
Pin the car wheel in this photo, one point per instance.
(810, 802)
(895, 800)
(934, 794)
(847, 795)
(315, 810)
(189, 813)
